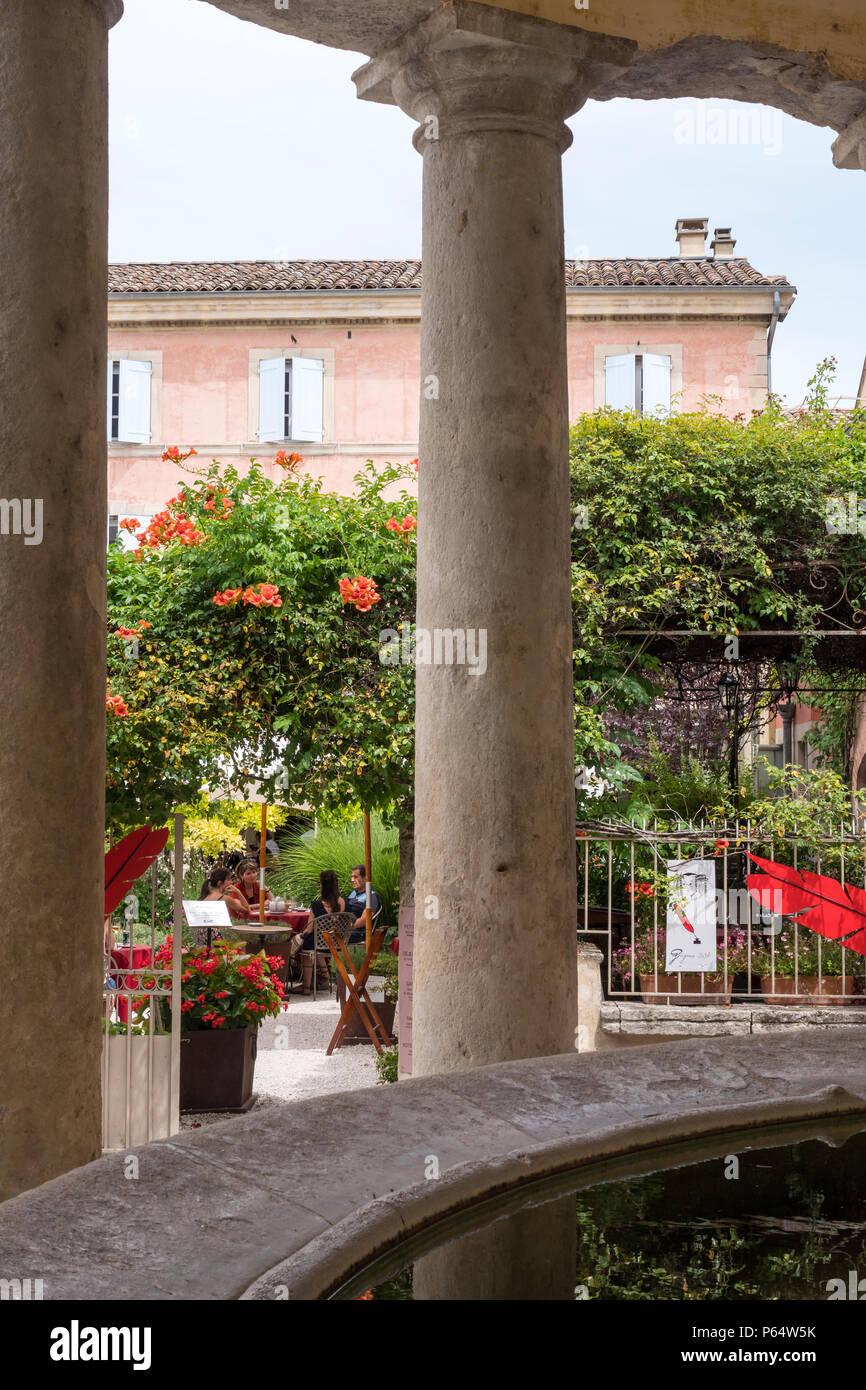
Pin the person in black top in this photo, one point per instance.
(356, 902)
(328, 904)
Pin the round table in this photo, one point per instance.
(278, 928)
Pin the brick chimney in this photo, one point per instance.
(692, 235)
(723, 244)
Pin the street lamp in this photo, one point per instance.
(728, 688)
(788, 673)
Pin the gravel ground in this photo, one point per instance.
(291, 1062)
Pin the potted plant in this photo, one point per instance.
(684, 987)
(226, 995)
(789, 968)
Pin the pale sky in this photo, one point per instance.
(231, 142)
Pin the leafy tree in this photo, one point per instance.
(260, 658)
(265, 601)
(700, 523)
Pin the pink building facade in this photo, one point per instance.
(323, 358)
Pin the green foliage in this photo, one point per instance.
(841, 694)
(805, 953)
(387, 1066)
(701, 523)
(690, 791)
(339, 847)
(214, 825)
(693, 522)
(225, 988)
(294, 695)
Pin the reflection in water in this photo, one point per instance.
(528, 1256)
(778, 1223)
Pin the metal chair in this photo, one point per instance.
(340, 923)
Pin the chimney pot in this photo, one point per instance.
(723, 244)
(691, 234)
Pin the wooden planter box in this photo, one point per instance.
(217, 1070)
(136, 1082)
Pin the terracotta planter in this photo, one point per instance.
(691, 984)
(829, 990)
(217, 1069)
(825, 994)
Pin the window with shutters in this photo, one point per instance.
(638, 381)
(129, 406)
(291, 399)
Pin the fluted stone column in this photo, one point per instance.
(53, 257)
(495, 911)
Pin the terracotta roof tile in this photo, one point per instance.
(237, 277)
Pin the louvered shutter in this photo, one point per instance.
(656, 384)
(272, 399)
(308, 377)
(108, 408)
(619, 382)
(134, 401)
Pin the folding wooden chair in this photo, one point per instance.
(358, 1000)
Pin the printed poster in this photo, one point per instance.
(206, 914)
(690, 937)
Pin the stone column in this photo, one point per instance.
(495, 909)
(529, 1256)
(590, 995)
(53, 287)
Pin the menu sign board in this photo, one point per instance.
(206, 914)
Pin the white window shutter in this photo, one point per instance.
(272, 399)
(110, 379)
(308, 377)
(656, 384)
(619, 382)
(134, 401)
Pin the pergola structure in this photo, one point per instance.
(489, 88)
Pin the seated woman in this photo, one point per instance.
(216, 888)
(328, 904)
(248, 883)
(238, 903)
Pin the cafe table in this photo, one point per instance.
(272, 933)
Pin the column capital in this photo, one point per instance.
(849, 147)
(111, 11)
(470, 67)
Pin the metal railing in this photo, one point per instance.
(756, 947)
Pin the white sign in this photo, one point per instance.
(206, 914)
(691, 915)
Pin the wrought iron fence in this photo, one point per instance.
(140, 1050)
(765, 950)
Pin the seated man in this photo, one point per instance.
(356, 902)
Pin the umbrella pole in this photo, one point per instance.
(262, 852)
(368, 915)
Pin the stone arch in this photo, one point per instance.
(814, 68)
